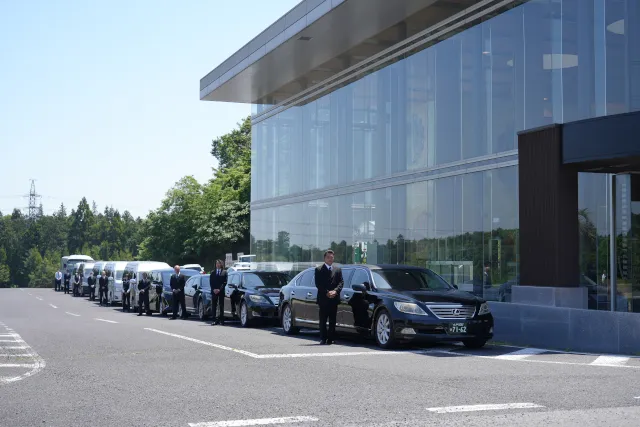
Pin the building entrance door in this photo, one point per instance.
(627, 210)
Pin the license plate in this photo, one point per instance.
(457, 328)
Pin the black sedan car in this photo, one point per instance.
(394, 303)
(160, 281)
(256, 294)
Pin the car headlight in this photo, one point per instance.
(484, 309)
(410, 308)
(258, 298)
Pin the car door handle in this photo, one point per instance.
(347, 296)
(292, 293)
(309, 294)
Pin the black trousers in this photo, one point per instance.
(143, 299)
(58, 285)
(92, 293)
(178, 298)
(103, 295)
(217, 302)
(328, 312)
(66, 288)
(126, 301)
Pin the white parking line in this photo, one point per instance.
(52, 306)
(14, 355)
(38, 298)
(8, 335)
(473, 408)
(610, 361)
(17, 365)
(72, 314)
(105, 320)
(7, 340)
(256, 422)
(38, 365)
(521, 354)
(210, 344)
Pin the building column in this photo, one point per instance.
(549, 229)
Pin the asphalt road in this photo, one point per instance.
(65, 361)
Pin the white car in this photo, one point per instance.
(196, 267)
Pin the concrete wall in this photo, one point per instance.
(567, 328)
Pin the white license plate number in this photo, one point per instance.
(457, 328)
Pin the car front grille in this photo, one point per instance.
(275, 300)
(452, 311)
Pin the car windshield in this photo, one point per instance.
(409, 280)
(119, 275)
(264, 280)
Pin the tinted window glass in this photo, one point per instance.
(119, 275)
(192, 281)
(166, 279)
(264, 280)
(205, 284)
(409, 280)
(306, 279)
(359, 277)
(235, 279)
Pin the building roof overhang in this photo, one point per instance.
(319, 39)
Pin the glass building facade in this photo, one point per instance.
(416, 163)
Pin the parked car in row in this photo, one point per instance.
(392, 303)
(256, 295)
(115, 271)
(162, 277)
(134, 270)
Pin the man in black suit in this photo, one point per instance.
(329, 282)
(218, 281)
(177, 283)
(144, 286)
(103, 286)
(67, 280)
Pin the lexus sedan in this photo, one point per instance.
(256, 294)
(392, 303)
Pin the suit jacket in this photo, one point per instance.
(218, 282)
(67, 277)
(177, 282)
(103, 282)
(328, 280)
(144, 285)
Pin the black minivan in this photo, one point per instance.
(394, 303)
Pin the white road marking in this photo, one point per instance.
(22, 347)
(256, 422)
(38, 298)
(610, 361)
(38, 365)
(210, 344)
(7, 340)
(520, 354)
(52, 306)
(8, 335)
(473, 408)
(336, 354)
(14, 355)
(17, 365)
(105, 320)
(72, 314)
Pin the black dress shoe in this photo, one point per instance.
(323, 342)
(172, 318)
(329, 342)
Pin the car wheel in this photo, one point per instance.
(201, 314)
(474, 343)
(384, 334)
(244, 315)
(287, 321)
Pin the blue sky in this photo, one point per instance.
(115, 82)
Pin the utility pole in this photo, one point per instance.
(33, 208)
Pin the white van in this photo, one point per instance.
(115, 270)
(85, 268)
(72, 261)
(135, 269)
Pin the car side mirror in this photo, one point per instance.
(359, 288)
(232, 286)
(195, 286)
(455, 286)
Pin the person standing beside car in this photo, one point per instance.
(144, 286)
(329, 282)
(58, 280)
(177, 283)
(76, 283)
(67, 280)
(126, 293)
(91, 281)
(103, 283)
(218, 281)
